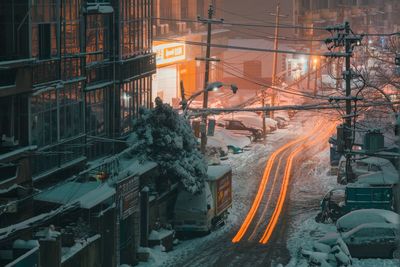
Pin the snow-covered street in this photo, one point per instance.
(248, 170)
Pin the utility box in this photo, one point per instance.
(340, 142)
(374, 141)
(211, 127)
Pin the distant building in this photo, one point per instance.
(373, 16)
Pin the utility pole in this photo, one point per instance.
(343, 36)
(207, 59)
(264, 126)
(347, 75)
(309, 58)
(275, 60)
(315, 64)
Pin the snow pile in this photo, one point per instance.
(165, 137)
(159, 234)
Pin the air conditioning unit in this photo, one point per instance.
(166, 29)
(181, 26)
(163, 29)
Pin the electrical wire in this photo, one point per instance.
(259, 82)
(282, 26)
(241, 47)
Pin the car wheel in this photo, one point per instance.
(396, 253)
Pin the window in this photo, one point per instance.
(44, 41)
(97, 37)
(134, 94)
(56, 115)
(71, 110)
(95, 112)
(135, 24)
(44, 29)
(44, 118)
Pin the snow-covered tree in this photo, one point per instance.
(161, 135)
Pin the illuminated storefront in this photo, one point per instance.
(166, 80)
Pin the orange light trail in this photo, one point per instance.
(256, 203)
(261, 219)
(274, 219)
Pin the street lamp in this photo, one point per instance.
(186, 102)
(210, 87)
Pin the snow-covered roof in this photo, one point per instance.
(87, 194)
(358, 217)
(130, 167)
(215, 172)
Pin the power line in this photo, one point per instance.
(282, 26)
(259, 82)
(263, 84)
(288, 107)
(242, 47)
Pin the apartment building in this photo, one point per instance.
(73, 75)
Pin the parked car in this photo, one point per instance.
(358, 217)
(364, 166)
(368, 240)
(235, 124)
(282, 123)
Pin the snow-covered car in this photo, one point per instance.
(369, 240)
(364, 166)
(358, 217)
(282, 123)
(239, 125)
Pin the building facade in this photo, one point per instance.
(71, 72)
(73, 76)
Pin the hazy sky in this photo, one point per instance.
(256, 11)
